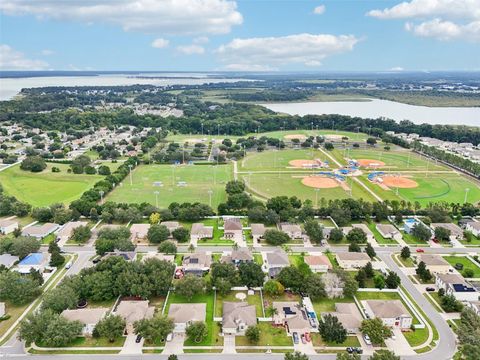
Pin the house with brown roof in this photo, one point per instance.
(349, 316)
(318, 262)
(237, 317)
(171, 225)
(435, 263)
(185, 314)
(392, 312)
(294, 231)
(233, 229)
(237, 257)
(352, 260)
(197, 263)
(199, 231)
(139, 232)
(158, 256)
(388, 231)
(257, 231)
(88, 317)
(292, 316)
(134, 310)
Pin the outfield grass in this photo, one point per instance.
(199, 178)
(467, 264)
(45, 188)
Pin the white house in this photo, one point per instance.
(40, 231)
(392, 312)
(8, 226)
(455, 284)
(473, 227)
(352, 260)
(200, 231)
(88, 317)
(139, 232)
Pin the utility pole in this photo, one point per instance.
(210, 192)
(101, 192)
(156, 197)
(130, 167)
(316, 197)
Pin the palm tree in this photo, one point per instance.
(271, 311)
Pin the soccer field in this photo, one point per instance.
(199, 179)
(45, 188)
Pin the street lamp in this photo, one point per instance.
(101, 192)
(156, 197)
(316, 197)
(210, 192)
(130, 167)
(466, 194)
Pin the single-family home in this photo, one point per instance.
(158, 256)
(200, 231)
(237, 317)
(134, 310)
(275, 261)
(456, 285)
(88, 317)
(392, 312)
(294, 231)
(197, 263)
(8, 260)
(139, 232)
(366, 230)
(171, 225)
(318, 262)
(237, 257)
(185, 314)
(388, 231)
(292, 316)
(65, 232)
(37, 261)
(349, 316)
(40, 231)
(473, 227)
(257, 230)
(456, 233)
(233, 229)
(352, 260)
(8, 226)
(435, 263)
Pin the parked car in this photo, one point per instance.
(358, 350)
(350, 350)
(304, 341)
(420, 250)
(367, 339)
(430, 289)
(169, 337)
(295, 338)
(138, 339)
(308, 337)
(393, 337)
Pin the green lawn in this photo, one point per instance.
(15, 311)
(251, 299)
(475, 241)
(328, 305)
(269, 336)
(45, 188)
(408, 262)
(467, 264)
(82, 341)
(200, 180)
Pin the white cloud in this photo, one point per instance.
(271, 52)
(397, 68)
(201, 40)
(150, 16)
(47, 52)
(439, 19)
(160, 43)
(319, 10)
(191, 49)
(11, 59)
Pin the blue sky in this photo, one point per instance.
(168, 35)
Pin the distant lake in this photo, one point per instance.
(384, 108)
(9, 87)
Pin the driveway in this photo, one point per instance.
(400, 345)
(304, 348)
(229, 344)
(131, 347)
(175, 346)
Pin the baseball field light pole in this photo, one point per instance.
(210, 192)
(130, 167)
(156, 197)
(316, 197)
(466, 194)
(101, 192)
(202, 128)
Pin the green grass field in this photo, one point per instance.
(45, 188)
(199, 178)
(467, 264)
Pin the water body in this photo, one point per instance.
(9, 87)
(384, 108)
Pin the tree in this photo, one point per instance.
(421, 232)
(336, 235)
(423, 273)
(354, 247)
(110, 327)
(196, 331)
(361, 278)
(81, 234)
(451, 304)
(18, 289)
(167, 247)
(157, 233)
(370, 251)
(235, 187)
(56, 258)
(329, 146)
(314, 287)
(190, 286)
(357, 235)
(350, 286)
(103, 170)
(22, 246)
(376, 330)
(369, 272)
(33, 164)
(155, 329)
(468, 334)
(273, 288)
(442, 234)
(60, 298)
(296, 355)
(154, 218)
(172, 357)
(347, 356)
(276, 237)
(384, 355)
(468, 273)
(181, 234)
(292, 278)
(251, 274)
(314, 231)
(405, 253)
(253, 334)
(392, 280)
(332, 330)
(49, 329)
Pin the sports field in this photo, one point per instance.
(198, 180)
(45, 188)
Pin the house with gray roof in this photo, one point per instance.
(392, 312)
(237, 317)
(197, 263)
(275, 261)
